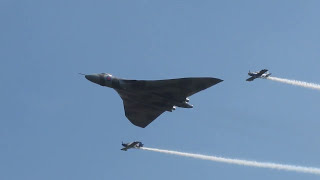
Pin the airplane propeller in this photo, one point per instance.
(81, 74)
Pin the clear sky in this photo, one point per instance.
(54, 124)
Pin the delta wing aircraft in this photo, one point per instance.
(145, 100)
(260, 74)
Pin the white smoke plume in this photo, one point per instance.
(286, 167)
(295, 82)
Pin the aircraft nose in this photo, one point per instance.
(93, 78)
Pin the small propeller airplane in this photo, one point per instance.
(135, 144)
(259, 74)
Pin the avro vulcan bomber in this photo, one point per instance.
(145, 100)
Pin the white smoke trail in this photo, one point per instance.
(296, 83)
(310, 170)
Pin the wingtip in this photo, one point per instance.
(216, 80)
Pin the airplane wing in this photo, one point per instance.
(251, 79)
(140, 114)
(177, 89)
(124, 149)
(181, 88)
(262, 72)
(147, 100)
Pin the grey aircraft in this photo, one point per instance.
(260, 74)
(145, 100)
(135, 144)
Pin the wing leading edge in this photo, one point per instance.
(181, 88)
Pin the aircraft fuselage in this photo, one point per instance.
(134, 91)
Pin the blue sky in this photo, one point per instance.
(57, 125)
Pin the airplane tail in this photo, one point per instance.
(139, 145)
